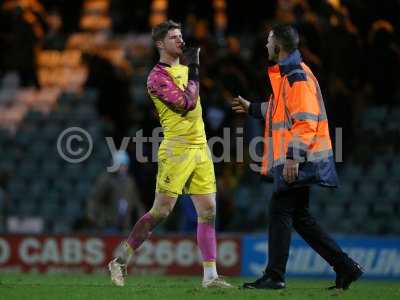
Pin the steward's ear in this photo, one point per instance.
(277, 49)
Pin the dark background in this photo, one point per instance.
(85, 63)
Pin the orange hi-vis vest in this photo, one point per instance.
(296, 126)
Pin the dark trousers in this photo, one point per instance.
(291, 209)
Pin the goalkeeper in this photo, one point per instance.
(184, 160)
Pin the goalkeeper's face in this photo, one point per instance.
(173, 43)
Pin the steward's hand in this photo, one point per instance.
(290, 170)
(240, 105)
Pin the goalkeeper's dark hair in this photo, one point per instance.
(160, 31)
(286, 36)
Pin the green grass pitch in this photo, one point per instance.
(97, 287)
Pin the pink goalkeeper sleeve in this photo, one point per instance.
(161, 85)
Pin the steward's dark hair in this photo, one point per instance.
(286, 36)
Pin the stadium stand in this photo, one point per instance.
(43, 185)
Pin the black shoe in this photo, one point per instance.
(265, 282)
(345, 278)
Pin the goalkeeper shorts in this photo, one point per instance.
(185, 170)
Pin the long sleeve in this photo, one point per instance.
(258, 109)
(304, 113)
(161, 85)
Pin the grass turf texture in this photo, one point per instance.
(60, 287)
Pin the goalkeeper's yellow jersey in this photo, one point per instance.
(178, 104)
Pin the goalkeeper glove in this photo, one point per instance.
(192, 56)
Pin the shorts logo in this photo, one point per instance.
(167, 180)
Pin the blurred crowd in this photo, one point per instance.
(352, 47)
